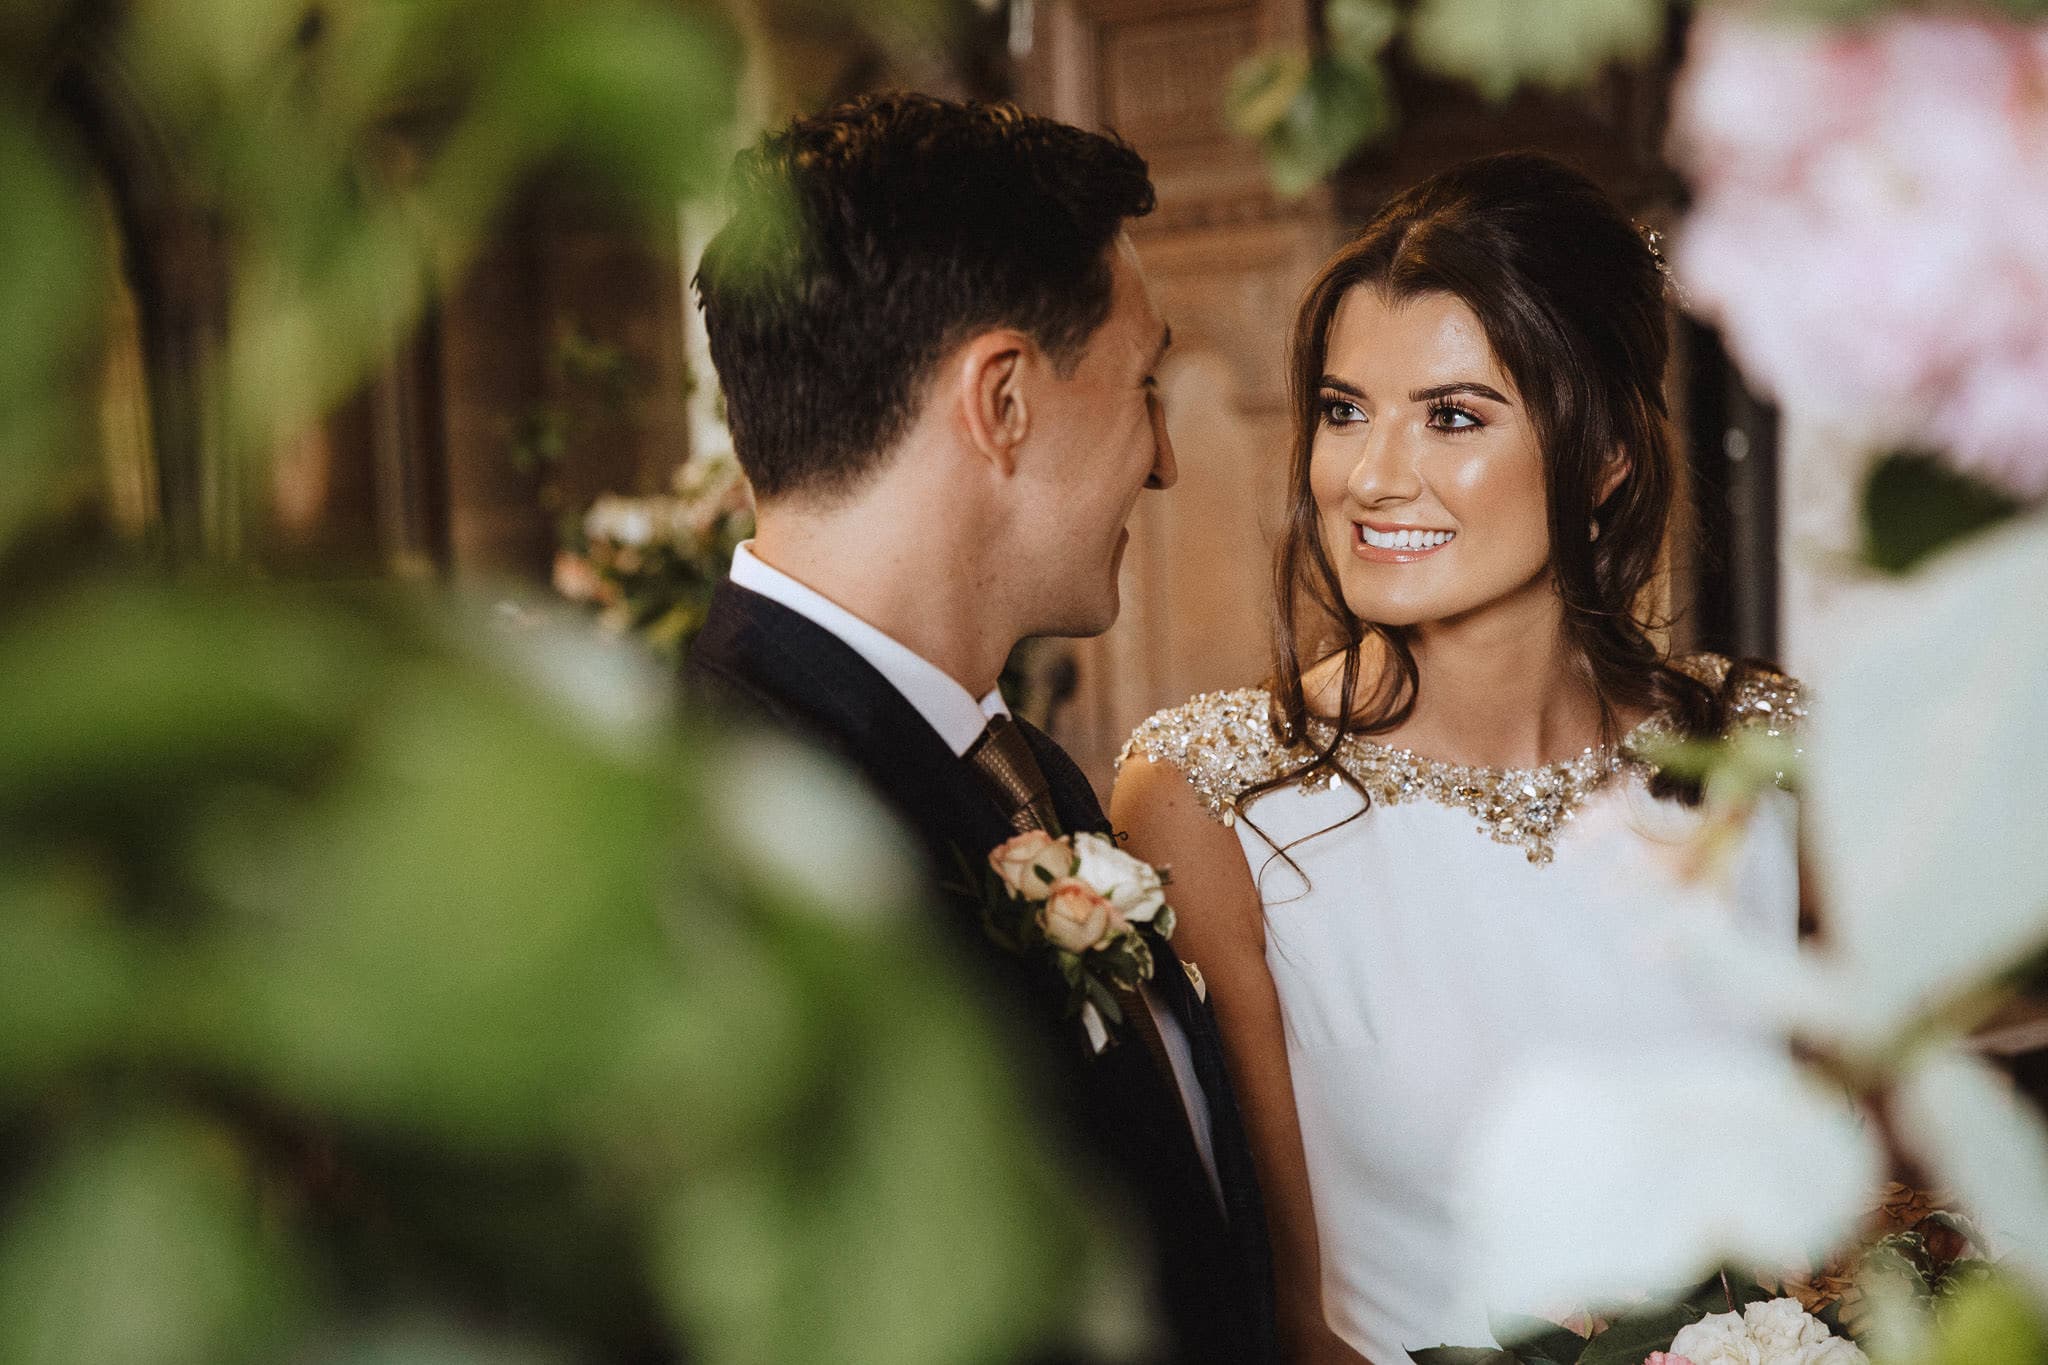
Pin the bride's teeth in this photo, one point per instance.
(1404, 540)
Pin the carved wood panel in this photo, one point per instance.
(1226, 261)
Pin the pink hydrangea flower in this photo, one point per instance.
(1664, 1358)
(1867, 225)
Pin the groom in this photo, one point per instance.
(938, 356)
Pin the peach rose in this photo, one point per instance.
(1664, 1358)
(1031, 862)
(1076, 917)
(575, 579)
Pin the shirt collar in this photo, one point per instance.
(945, 705)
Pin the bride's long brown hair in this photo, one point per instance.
(1572, 302)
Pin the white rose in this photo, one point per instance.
(1075, 918)
(1781, 1327)
(622, 521)
(1130, 884)
(1833, 1351)
(1717, 1339)
(1031, 862)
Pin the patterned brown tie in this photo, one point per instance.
(1003, 757)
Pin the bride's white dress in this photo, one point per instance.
(1467, 922)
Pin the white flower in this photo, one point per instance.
(1718, 1339)
(1839, 214)
(1779, 1332)
(622, 521)
(1781, 1327)
(1833, 1351)
(1130, 884)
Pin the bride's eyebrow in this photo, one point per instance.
(1431, 395)
(1336, 385)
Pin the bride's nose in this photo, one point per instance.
(1386, 471)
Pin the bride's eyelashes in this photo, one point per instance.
(1336, 410)
(1452, 418)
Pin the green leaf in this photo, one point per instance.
(1337, 110)
(828, 1243)
(1993, 1320)
(69, 975)
(49, 324)
(1163, 923)
(141, 1244)
(1105, 1001)
(1634, 1335)
(1915, 506)
(1499, 45)
(1465, 1355)
(1536, 1340)
(1359, 30)
(1263, 88)
(119, 689)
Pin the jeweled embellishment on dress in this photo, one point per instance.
(1223, 743)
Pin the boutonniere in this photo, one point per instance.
(1077, 901)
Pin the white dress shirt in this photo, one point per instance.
(959, 719)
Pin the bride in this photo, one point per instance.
(1429, 849)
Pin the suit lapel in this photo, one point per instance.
(1243, 1205)
(810, 678)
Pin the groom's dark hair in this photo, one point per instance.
(869, 240)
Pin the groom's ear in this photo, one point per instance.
(988, 394)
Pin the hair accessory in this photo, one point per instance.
(1654, 241)
(1593, 530)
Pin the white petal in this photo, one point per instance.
(807, 825)
(1962, 1118)
(1091, 1021)
(1598, 1178)
(1927, 778)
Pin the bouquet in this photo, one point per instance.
(649, 564)
(1764, 1331)
(1777, 1332)
(1803, 1317)
(1082, 903)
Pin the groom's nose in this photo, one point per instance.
(1165, 470)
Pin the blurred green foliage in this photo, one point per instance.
(1311, 107)
(1915, 506)
(386, 977)
(1310, 110)
(1991, 1319)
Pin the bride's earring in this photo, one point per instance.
(1593, 530)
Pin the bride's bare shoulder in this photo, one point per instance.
(1214, 746)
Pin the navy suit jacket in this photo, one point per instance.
(1118, 1110)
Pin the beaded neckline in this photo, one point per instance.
(1223, 744)
(1521, 807)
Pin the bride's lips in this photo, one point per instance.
(1398, 554)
